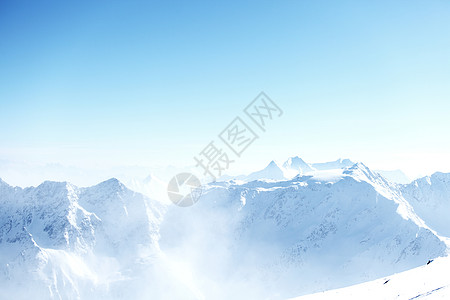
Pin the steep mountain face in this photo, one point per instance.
(430, 197)
(128, 218)
(58, 241)
(36, 219)
(295, 237)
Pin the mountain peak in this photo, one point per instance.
(2, 182)
(112, 182)
(297, 164)
(345, 161)
(272, 164)
(112, 185)
(49, 185)
(5, 185)
(272, 172)
(337, 164)
(361, 172)
(294, 160)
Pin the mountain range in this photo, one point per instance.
(281, 232)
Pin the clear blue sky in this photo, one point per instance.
(130, 82)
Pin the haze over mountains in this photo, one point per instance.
(280, 232)
(138, 178)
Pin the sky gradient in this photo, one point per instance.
(114, 83)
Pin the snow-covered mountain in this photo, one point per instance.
(58, 241)
(297, 166)
(324, 230)
(273, 235)
(292, 167)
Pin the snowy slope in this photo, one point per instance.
(427, 282)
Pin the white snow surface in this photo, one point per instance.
(283, 232)
(427, 282)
